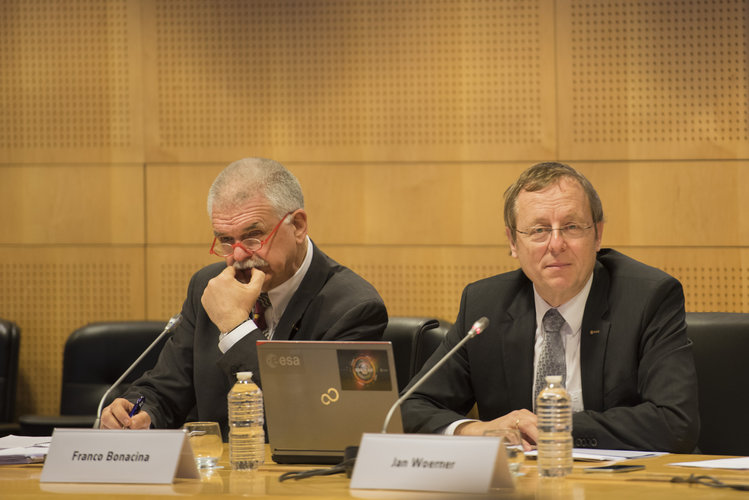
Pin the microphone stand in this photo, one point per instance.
(477, 328)
(173, 321)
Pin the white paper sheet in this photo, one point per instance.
(741, 463)
(591, 455)
(23, 449)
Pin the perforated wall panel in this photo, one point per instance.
(52, 291)
(653, 78)
(169, 270)
(714, 279)
(429, 281)
(70, 80)
(351, 79)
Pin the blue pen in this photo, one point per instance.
(137, 406)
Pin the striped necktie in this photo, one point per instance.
(258, 312)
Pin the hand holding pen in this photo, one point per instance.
(123, 414)
(137, 406)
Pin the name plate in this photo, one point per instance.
(118, 456)
(426, 462)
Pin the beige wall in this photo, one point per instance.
(403, 119)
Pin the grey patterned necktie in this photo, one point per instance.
(551, 361)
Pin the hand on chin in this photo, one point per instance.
(244, 275)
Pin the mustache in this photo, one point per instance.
(253, 261)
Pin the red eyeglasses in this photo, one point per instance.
(248, 244)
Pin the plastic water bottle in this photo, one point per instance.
(246, 435)
(554, 411)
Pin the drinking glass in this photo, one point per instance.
(206, 443)
(513, 441)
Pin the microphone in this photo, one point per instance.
(170, 325)
(478, 327)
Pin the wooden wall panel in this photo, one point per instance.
(71, 204)
(176, 197)
(428, 281)
(690, 204)
(71, 81)
(653, 80)
(714, 278)
(49, 291)
(169, 268)
(404, 203)
(645, 203)
(672, 204)
(349, 80)
(368, 203)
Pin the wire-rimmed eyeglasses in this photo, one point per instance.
(541, 234)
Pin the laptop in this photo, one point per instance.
(321, 396)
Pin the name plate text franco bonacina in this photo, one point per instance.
(110, 456)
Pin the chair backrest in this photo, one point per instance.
(721, 345)
(404, 333)
(427, 343)
(10, 338)
(97, 354)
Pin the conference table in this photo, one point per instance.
(21, 482)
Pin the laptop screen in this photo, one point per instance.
(321, 396)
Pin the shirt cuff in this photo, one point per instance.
(450, 429)
(227, 340)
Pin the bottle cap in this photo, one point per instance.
(244, 375)
(550, 379)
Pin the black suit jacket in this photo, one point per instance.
(638, 378)
(193, 377)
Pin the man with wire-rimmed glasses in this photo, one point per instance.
(274, 283)
(612, 327)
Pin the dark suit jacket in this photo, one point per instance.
(331, 303)
(638, 378)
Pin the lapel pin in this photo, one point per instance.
(593, 332)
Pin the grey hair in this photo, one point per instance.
(249, 177)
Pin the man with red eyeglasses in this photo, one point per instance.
(274, 284)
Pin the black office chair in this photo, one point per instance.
(95, 356)
(10, 338)
(411, 338)
(427, 343)
(721, 344)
